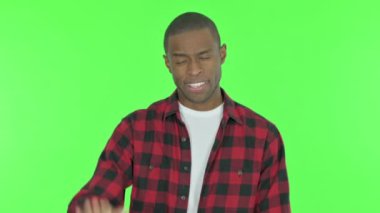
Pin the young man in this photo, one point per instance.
(197, 150)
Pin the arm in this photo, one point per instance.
(113, 172)
(273, 188)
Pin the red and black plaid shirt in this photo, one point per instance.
(150, 149)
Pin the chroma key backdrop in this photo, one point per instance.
(71, 70)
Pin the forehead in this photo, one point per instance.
(191, 42)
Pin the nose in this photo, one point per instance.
(194, 67)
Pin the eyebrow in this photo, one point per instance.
(183, 54)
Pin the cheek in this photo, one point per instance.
(218, 75)
(176, 77)
(216, 71)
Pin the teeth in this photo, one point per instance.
(197, 84)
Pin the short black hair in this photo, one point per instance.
(190, 21)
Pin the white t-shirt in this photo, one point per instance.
(202, 127)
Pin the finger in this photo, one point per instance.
(118, 210)
(105, 206)
(87, 206)
(77, 209)
(95, 205)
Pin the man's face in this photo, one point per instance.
(194, 59)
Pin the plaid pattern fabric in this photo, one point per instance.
(150, 149)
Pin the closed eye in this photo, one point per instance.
(205, 55)
(180, 62)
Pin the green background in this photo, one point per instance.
(71, 70)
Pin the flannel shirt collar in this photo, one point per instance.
(229, 108)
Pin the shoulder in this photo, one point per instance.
(152, 112)
(253, 120)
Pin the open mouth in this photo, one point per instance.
(196, 87)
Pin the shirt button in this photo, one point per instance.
(183, 197)
(186, 168)
(151, 166)
(183, 139)
(240, 172)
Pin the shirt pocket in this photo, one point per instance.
(150, 166)
(247, 172)
(238, 172)
(152, 182)
(152, 171)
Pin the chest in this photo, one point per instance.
(235, 152)
(162, 165)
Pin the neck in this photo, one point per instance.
(214, 101)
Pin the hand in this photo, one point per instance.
(96, 205)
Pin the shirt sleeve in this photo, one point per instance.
(113, 172)
(273, 188)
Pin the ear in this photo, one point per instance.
(167, 62)
(223, 53)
